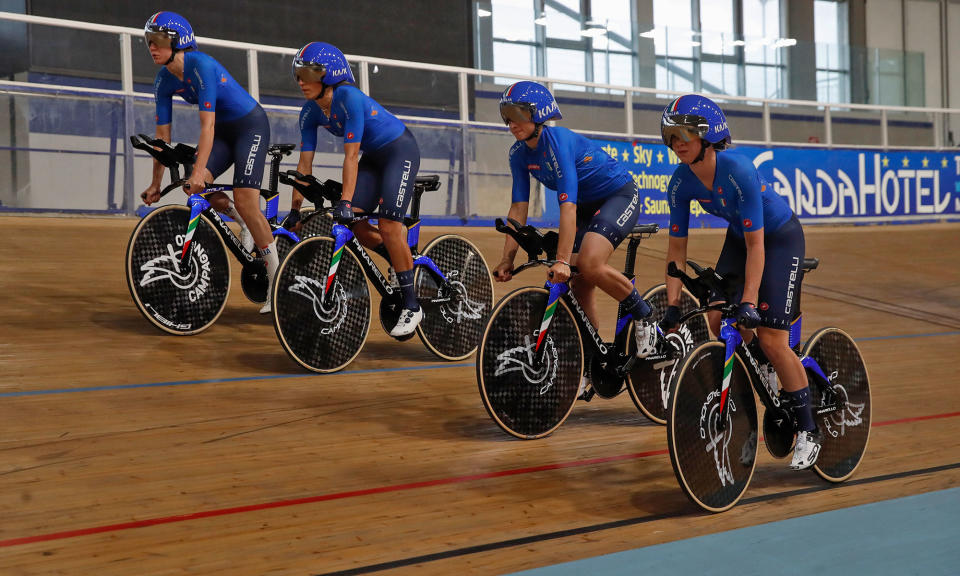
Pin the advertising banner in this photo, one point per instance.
(821, 186)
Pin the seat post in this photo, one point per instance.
(629, 266)
(418, 190)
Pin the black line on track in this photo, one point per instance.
(536, 538)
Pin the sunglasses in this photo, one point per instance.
(680, 132)
(307, 72)
(160, 39)
(516, 113)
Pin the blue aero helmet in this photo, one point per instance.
(694, 116)
(169, 29)
(322, 62)
(528, 101)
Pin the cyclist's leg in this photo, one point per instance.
(400, 161)
(779, 293)
(366, 197)
(610, 221)
(608, 227)
(251, 138)
(778, 297)
(221, 157)
(584, 288)
(731, 262)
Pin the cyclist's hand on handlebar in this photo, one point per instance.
(292, 221)
(504, 271)
(746, 315)
(150, 195)
(559, 272)
(343, 212)
(195, 185)
(671, 318)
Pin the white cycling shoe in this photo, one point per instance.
(646, 335)
(407, 323)
(806, 451)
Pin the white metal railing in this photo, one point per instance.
(129, 95)
(630, 92)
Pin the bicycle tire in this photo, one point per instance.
(714, 477)
(453, 320)
(649, 381)
(322, 337)
(173, 302)
(845, 432)
(525, 401)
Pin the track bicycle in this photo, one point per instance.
(177, 267)
(712, 417)
(321, 302)
(538, 343)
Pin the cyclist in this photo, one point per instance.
(598, 204)
(233, 129)
(764, 245)
(383, 175)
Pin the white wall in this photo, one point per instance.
(923, 35)
(884, 24)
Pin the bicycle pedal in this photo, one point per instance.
(588, 395)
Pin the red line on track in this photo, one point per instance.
(370, 491)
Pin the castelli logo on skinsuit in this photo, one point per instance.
(747, 223)
(563, 197)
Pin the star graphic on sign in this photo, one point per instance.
(925, 162)
(943, 162)
(885, 161)
(906, 161)
(659, 157)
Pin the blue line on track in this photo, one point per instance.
(368, 371)
(217, 380)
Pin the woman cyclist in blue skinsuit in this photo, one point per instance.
(233, 129)
(764, 245)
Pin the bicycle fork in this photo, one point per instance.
(556, 291)
(732, 338)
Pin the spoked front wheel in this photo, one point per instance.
(181, 298)
(529, 392)
(453, 314)
(842, 409)
(713, 463)
(321, 323)
(649, 381)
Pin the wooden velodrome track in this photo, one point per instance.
(125, 450)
